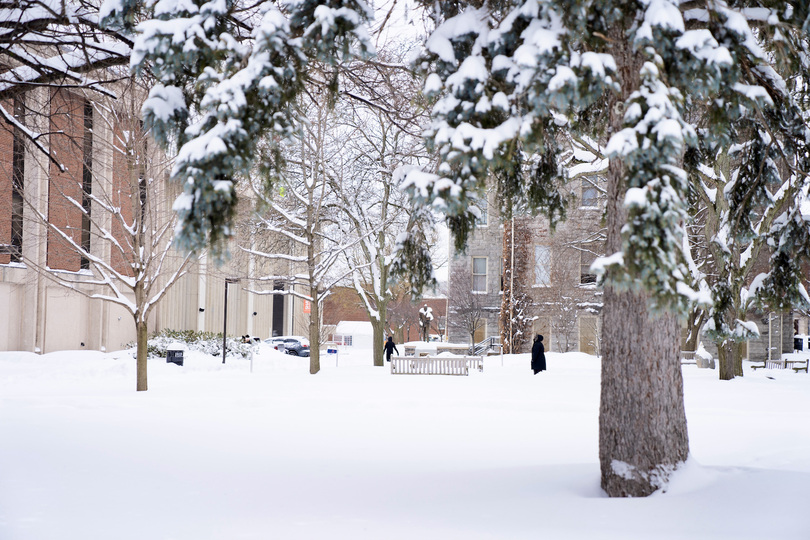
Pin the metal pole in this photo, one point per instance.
(225, 320)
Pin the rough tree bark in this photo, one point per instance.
(729, 359)
(141, 331)
(378, 341)
(642, 422)
(314, 333)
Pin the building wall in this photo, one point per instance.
(66, 140)
(41, 316)
(6, 171)
(566, 312)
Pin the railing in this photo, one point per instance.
(435, 365)
(487, 345)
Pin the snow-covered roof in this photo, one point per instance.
(354, 328)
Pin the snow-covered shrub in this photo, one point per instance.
(206, 342)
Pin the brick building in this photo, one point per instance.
(77, 196)
(343, 304)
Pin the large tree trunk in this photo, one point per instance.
(140, 362)
(642, 422)
(378, 339)
(697, 318)
(729, 358)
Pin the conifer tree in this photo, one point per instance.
(510, 77)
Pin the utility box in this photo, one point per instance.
(174, 353)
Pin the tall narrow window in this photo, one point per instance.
(87, 181)
(479, 274)
(17, 186)
(590, 195)
(542, 266)
(140, 157)
(586, 277)
(277, 328)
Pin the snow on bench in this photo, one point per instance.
(435, 365)
(794, 361)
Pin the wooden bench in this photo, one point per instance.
(688, 357)
(788, 361)
(435, 365)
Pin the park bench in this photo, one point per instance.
(435, 365)
(793, 361)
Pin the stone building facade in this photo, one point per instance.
(565, 303)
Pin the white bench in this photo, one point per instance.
(435, 365)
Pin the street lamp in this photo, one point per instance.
(228, 281)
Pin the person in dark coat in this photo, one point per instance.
(390, 348)
(538, 355)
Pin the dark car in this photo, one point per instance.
(294, 345)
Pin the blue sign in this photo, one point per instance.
(331, 351)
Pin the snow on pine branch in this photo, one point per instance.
(227, 79)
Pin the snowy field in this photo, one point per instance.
(217, 452)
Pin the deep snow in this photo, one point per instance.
(218, 452)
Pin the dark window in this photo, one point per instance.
(278, 310)
(87, 181)
(17, 186)
(585, 275)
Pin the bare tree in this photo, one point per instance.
(300, 217)
(467, 312)
(109, 237)
(375, 209)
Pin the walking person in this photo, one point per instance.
(390, 348)
(538, 355)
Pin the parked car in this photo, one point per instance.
(294, 345)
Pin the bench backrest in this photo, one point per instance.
(434, 365)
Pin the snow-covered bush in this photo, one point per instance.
(206, 342)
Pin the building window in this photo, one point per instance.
(590, 197)
(590, 194)
(483, 206)
(479, 274)
(542, 266)
(586, 277)
(17, 186)
(87, 181)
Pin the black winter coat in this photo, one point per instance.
(389, 349)
(538, 357)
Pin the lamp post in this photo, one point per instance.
(228, 281)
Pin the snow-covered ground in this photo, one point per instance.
(217, 452)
